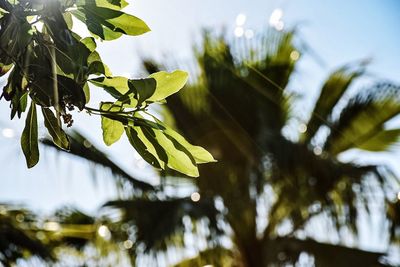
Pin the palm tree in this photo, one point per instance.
(240, 106)
(272, 187)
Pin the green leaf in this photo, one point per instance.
(177, 156)
(199, 154)
(90, 43)
(112, 129)
(115, 86)
(144, 88)
(168, 151)
(112, 4)
(383, 140)
(29, 138)
(166, 147)
(129, 24)
(68, 20)
(96, 65)
(145, 149)
(52, 124)
(86, 91)
(107, 23)
(167, 84)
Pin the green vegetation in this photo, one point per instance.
(51, 66)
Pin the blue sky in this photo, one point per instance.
(338, 32)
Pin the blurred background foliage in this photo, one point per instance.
(280, 188)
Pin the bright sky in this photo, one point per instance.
(338, 32)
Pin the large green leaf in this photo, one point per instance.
(52, 124)
(112, 129)
(163, 147)
(145, 149)
(29, 138)
(167, 84)
(112, 4)
(174, 155)
(109, 23)
(199, 154)
(115, 86)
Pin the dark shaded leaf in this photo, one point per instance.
(53, 126)
(29, 138)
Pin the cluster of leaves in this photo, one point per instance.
(52, 66)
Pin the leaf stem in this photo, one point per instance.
(107, 112)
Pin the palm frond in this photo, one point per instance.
(77, 229)
(81, 147)
(364, 118)
(158, 221)
(333, 89)
(300, 179)
(381, 141)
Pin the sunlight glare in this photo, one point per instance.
(302, 128)
(195, 197)
(317, 150)
(241, 19)
(239, 31)
(128, 244)
(275, 20)
(275, 17)
(104, 232)
(294, 55)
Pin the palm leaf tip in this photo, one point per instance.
(81, 147)
(332, 91)
(361, 123)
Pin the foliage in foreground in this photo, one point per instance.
(50, 67)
